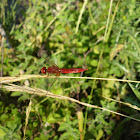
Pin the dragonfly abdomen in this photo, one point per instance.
(72, 70)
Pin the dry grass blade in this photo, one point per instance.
(28, 110)
(24, 77)
(40, 92)
(127, 104)
(80, 16)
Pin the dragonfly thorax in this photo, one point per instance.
(53, 70)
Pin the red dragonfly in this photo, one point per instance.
(54, 69)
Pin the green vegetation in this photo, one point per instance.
(101, 35)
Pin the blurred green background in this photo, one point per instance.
(106, 41)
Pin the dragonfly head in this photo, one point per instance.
(44, 70)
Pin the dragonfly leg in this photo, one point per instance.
(57, 74)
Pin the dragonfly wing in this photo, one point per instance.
(54, 80)
(46, 58)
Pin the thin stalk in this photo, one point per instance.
(80, 16)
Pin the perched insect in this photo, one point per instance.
(54, 69)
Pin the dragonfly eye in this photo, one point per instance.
(43, 70)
